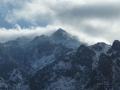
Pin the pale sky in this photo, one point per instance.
(91, 20)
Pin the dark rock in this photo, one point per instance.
(99, 46)
(59, 33)
(105, 65)
(118, 62)
(116, 45)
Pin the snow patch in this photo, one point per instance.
(42, 62)
(63, 65)
(105, 48)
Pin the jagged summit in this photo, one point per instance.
(42, 37)
(60, 32)
(116, 45)
(22, 38)
(58, 37)
(100, 46)
(61, 36)
(20, 41)
(81, 47)
(36, 38)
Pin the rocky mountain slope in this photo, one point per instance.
(59, 62)
(22, 58)
(93, 67)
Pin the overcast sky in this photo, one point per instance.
(91, 20)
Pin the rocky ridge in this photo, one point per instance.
(59, 62)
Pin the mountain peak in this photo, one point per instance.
(60, 32)
(22, 38)
(116, 45)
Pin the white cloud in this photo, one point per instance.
(11, 34)
(91, 20)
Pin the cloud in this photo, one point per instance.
(46, 11)
(91, 20)
(17, 31)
